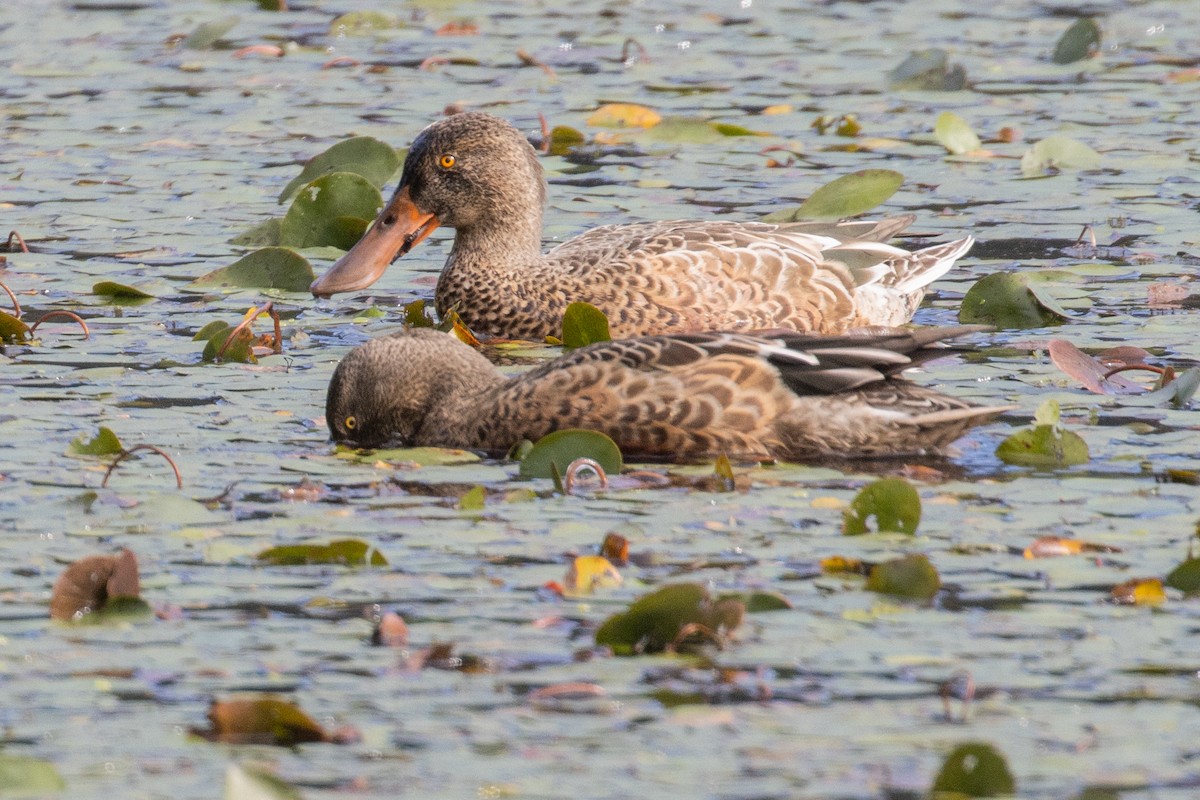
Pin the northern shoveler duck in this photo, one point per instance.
(685, 396)
(477, 174)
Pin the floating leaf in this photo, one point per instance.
(239, 351)
(25, 776)
(1055, 154)
(333, 210)
(1078, 42)
(681, 130)
(729, 129)
(1185, 577)
(835, 565)
(121, 290)
(265, 720)
(563, 139)
(91, 584)
(207, 34)
(974, 769)
(657, 621)
(1048, 413)
(474, 500)
(363, 23)
(265, 234)
(584, 324)
(1139, 592)
(846, 196)
(893, 502)
(560, 448)
(929, 70)
(416, 314)
(589, 573)
(1004, 299)
(911, 577)
(104, 443)
(624, 115)
(1044, 446)
(349, 552)
(955, 134)
(392, 631)
(361, 155)
(1051, 546)
(246, 782)
(759, 602)
(1088, 371)
(268, 268)
(12, 329)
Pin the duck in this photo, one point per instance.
(479, 175)
(675, 397)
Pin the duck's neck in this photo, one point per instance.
(500, 241)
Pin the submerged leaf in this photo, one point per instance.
(955, 134)
(332, 210)
(104, 443)
(893, 502)
(1004, 299)
(846, 196)
(584, 324)
(268, 268)
(350, 552)
(560, 448)
(1078, 42)
(361, 155)
(1056, 153)
(974, 769)
(659, 620)
(911, 577)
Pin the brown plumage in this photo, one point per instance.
(477, 174)
(678, 397)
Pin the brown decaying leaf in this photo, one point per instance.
(1140, 592)
(1162, 293)
(1090, 372)
(391, 631)
(87, 584)
(615, 548)
(1050, 546)
(267, 720)
(306, 491)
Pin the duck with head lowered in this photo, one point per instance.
(477, 174)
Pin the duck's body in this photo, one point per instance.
(478, 174)
(679, 397)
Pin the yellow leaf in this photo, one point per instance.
(624, 115)
(828, 502)
(778, 109)
(837, 564)
(588, 573)
(1140, 592)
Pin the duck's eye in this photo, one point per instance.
(351, 422)
(447, 161)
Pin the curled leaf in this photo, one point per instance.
(262, 720)
(1089, 371)
(666, 618)
(1078, 42)
(1056, 154)
(104, 443)
(1139, 592)
(555, 452)
(92, 583)
(589, 573)
(955, 134)
(1005, 299)
(846, 196)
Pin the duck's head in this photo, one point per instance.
(471, 172)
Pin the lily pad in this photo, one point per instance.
(1185, 577)
(265, 720)
(974, 769)
(240, 351)
(1078, 42)
(955, 134)
(12, 329)
(1055, 154)
(893, 502)
(846, 196)
(333, 210)
(247, 782)
(362, 23)
(120, 290)
(655, 622)
(91, 589)
(351, 552)
(265, 234)
(563, 139)
(268, 268)
(25, 776)
(554, 451)
(1005, 299)
(624, 115)
(207, 34)
(104, 443)
(361, 155)
(911, 577)
(929, 70)
(584, 324)
(1045, 446)
(681, 130)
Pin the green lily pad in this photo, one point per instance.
(955, 134)
(262, 720)
(362, 23)
(929, 70)
(760, 601)
(316, 216)
(361, 155)
(1078, 42)
(12, 329)
(240, 351)
(1006, 300)
(121, 290)
(893, 502)
(421, 456)
(210, 330)
(846, 196)
(351, 552)
(563, 139)
(265, 234)
(474, 500)
(104, 443)
(911, 577)
(729, 129)
(268, 268)
(207, 34)
(1056, 154)
(24, 776)
(249, 782)
(654, 622)
(974, 769)
(1185, 577)
(584, 324)
(555, 451)
(1044, 446)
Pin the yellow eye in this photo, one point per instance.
(447, 161)
(351, 423)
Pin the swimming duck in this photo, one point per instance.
(479, 175)
(680, 397)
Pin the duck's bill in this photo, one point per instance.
(400, 227)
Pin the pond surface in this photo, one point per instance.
(130, 157)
